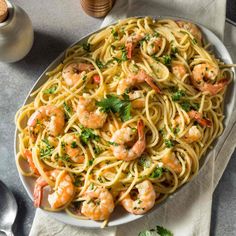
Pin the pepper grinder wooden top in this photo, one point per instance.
(97, 8)
(3, 10)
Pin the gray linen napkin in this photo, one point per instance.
(189, 212)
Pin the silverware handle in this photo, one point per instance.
(9, 233)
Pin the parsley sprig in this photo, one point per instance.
(116, 105)
(87, 134)
(158, 231)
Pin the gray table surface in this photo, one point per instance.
(57, 24)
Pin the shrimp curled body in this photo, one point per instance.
(49, 115)
(64, 189)
(125, 135)
(145, 199)
(72, 72)
(99, 204)
(89, 116)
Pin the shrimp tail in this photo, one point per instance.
(150, 82)
(38, 191)
(28, 155)
(198, 117)
(129, 49)
(215, 88)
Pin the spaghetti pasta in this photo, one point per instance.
(134, 108)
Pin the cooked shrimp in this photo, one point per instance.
(51, 116)
(172, 162)
(204, 72)
(88, 115)
(131, 43)
(179, 70)
(198, 117)
(64, 189)
(135, 79)
(145, 199)
(125, 135)
(72, 72)
(193, 135)
(99, 203)
(28, 155)
(137, 99)
(72, 148)
(191, 28)
(154, 45)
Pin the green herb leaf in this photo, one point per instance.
(144, 161)
(169, 143)
(74, 144)
(114, 33)
(97, 150)
(51, 90)
(178, 95)
(157, 172)
(46, 150)
(163, 232)
(167, 60)
(87, 134)
(100, 64)
(87, 47)
(90, 162)
(187, 106)
(67, 110)
(194, 41)
(159, 231)
(116, 105)
(113, 143)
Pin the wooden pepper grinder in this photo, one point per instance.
(97, 8)
(16, 32)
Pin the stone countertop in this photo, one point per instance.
(57, 24)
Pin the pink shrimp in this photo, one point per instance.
(124, 135)
(172, 162)
(179, 70)
(202, 74)
(131, 43)
(88, 115)
(63, 193)
(50, 116)
(198, 117)
(135, 79)
(99, 203)
(145, 199)
(72, 72)
(28, 154)
(192, 29)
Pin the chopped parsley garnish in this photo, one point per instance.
(46, 150)
(116, 105)
(115, 34)
(74, 144)
(113, 143)
(157, 172)
(145, 39)
(156, 34)
(159, 231)
(187, 106)
(144, 161)
(67, 110)
(51, 90)
(123, 55)
(178, 95)
(175, 130)
(194, 41)
(90, 162)
(174, 50)
(87, 134)
(100, 64)
(87, 47)
(97, 150)
(65, 158)
(169, 143)
(167, 60)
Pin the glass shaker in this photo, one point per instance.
(16, 32)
